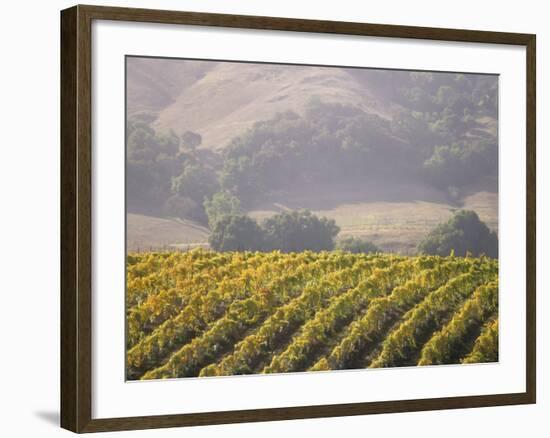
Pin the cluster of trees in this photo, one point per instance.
(435, 136)
(426, 91)
(165, 175)
(330, 142)
(293, 231)
(458, 164)
(357, 245)
(441, 118)
(151, 161)
(463, 234)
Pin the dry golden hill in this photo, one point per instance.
(221, 100)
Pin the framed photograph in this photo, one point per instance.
(271, 218)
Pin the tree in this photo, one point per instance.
(463, 233)
(191, 140)
(299, 231)
(151, 163)
(356, 245)
(184, 208)
(236, 233)
(196, 182)
(221, 204)
(461, 163)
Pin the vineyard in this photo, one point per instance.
(204, 313)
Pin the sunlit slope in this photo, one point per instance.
(153, 83)
(144, 233)
(231, 97)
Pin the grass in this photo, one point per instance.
(393, 226)
(147, 232)
(395, 218)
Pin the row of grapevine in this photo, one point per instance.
(318, 330)
(204, 313)
(158, 307)
(486, 345)
(384, 310)
(243, 316)
(248, 353)
(198, 315)
(401, 344)
(149, 273)
(445, 345)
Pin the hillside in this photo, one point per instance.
(152, 83)
(222, 100)
(387, 154)
(231, 97)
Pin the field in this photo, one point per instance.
(396, 217)
(203, 313)
(148, 232)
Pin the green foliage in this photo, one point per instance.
(329, 142)
(440, 132)
(420, 321)
(435, 136)
(434, 131)
(336, 276)
(236, 233)
(221, 204)
(443, 111)
(299, 231)
(140, 117)
(152, 159)
(434, 92)
(191, 140)
(156, 183)
(186, 311)
(294, 231)
(447, 345)
(184, 208)
(463, 234)
(196, 182)
(429, 274)
(144, 144)
(356, 245)
(326, 322)
(486, 345)
(268, 290)
(460, 163)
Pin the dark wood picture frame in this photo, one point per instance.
(76, 218)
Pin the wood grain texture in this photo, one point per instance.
(76, 219)
(531, 250)
(69, 329)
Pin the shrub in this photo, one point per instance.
(184, 208)
(464, 233)
(299, 231)
(356, 245)
(236, 233)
